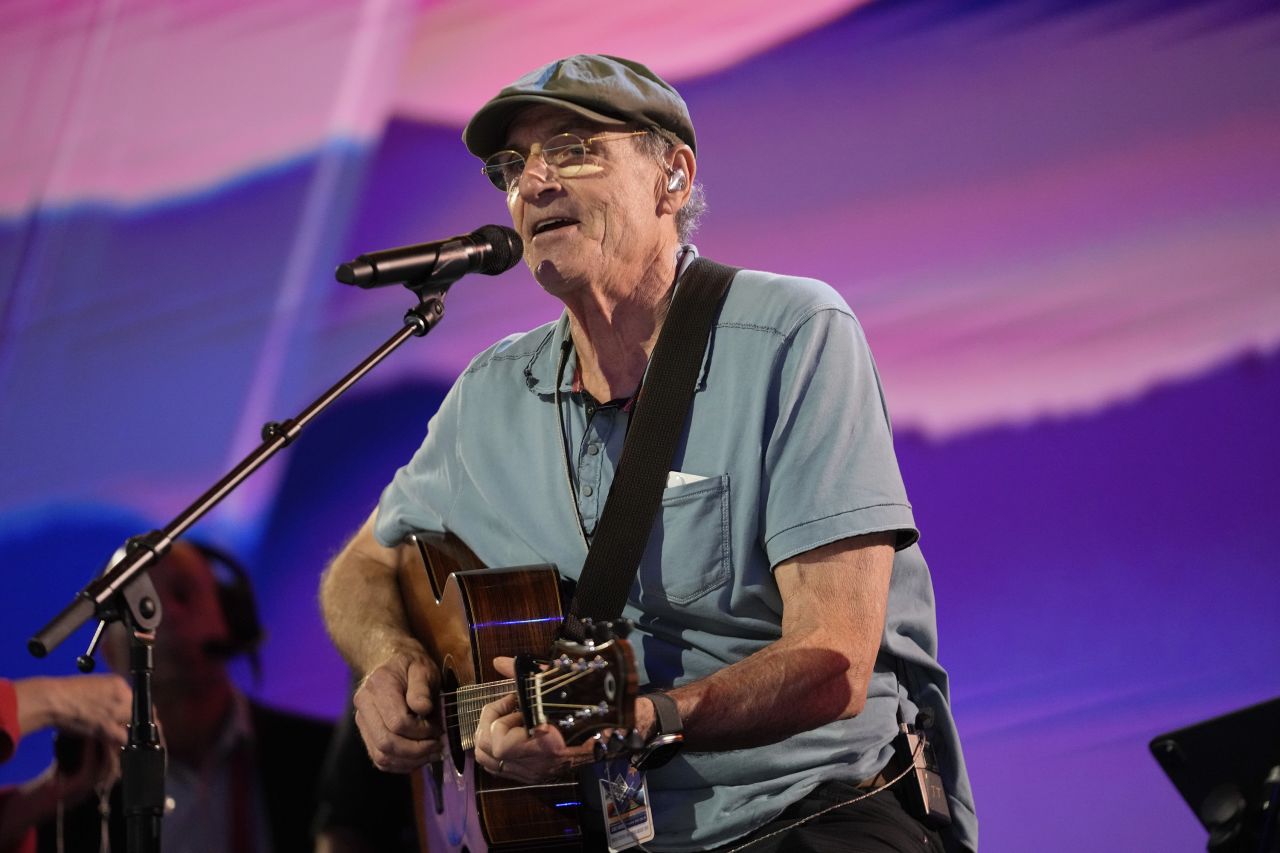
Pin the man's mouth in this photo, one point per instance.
(552, 225)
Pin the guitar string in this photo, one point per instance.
(473, 693)
(522, 787)
(565, 678)
(508, 682)
(504, 686)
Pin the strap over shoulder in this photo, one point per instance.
(657, 424)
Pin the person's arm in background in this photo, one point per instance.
(95, 707)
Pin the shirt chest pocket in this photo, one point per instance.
(688, 553)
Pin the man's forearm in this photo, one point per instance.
(834, 600)
(361, 603)
(790, 686)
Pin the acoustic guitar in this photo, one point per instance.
(465, 614)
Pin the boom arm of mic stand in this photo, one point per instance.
(95, 598)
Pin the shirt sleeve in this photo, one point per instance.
(10, 734)
(27, 842)
(830, 471)
(418, 498)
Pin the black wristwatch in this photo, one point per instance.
(666, 742)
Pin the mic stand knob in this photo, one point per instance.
(85, 663)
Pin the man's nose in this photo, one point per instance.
(537, 177)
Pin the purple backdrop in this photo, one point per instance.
(1059, 223)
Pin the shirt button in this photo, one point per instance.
(593, 449)
(588, 491)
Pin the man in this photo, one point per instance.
(242, 776)
(782, 609)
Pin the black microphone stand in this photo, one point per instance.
(124, 591)
(143, 761)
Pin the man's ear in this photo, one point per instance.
(679, 184)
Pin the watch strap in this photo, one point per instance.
(666, 742)
(669, 722)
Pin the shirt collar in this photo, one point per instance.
(236, 732)
(238, 728)
(540, 371)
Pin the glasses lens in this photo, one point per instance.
(571, 156)
(503, 169)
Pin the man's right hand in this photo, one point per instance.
(394, 712)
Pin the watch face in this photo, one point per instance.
(660, 750)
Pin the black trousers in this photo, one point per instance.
(876, 824)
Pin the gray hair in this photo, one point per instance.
(658, 143)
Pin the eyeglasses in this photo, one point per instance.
(571, 156)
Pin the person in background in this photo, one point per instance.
(241, 776)
(93, 707)
(362, 809)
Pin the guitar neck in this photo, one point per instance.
(581, 695)
(462, 708)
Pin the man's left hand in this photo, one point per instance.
(505, 748)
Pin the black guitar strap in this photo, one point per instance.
(657, 424)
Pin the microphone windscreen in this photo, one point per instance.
(506, 248)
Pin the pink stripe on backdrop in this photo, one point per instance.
(128, 102)
(442, 82)
(1063, 287)
(132, 102)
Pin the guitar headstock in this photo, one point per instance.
(585, 689)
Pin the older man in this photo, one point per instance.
(784, 613)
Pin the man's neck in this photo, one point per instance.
(193, 721)
(615, 325)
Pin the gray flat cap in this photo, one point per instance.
(605, 89)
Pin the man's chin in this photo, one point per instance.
(550, 276)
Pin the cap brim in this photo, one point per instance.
(487, 130)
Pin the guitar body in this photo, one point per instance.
(466, 615)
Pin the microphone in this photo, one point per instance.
(490, 249)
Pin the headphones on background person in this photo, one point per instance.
(239, 609)
(238, 604)
(677, 181)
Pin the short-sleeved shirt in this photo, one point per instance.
(787, 448)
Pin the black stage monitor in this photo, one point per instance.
(1228, 770)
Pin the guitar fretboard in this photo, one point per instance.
(462, 708)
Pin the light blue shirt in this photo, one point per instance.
(788, 448)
